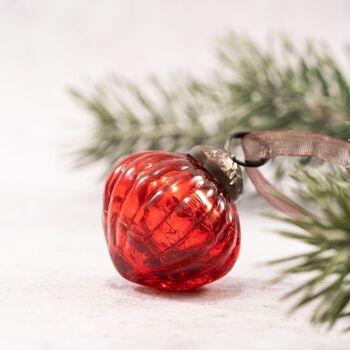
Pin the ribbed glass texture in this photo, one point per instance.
(168, 223)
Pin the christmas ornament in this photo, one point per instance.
(169, 218)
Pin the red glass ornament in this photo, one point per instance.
(168, 222)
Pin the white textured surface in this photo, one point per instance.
(58, 289)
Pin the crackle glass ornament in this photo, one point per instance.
(170, 219)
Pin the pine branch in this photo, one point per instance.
(282, 87)
(128, 119)
(328, 235)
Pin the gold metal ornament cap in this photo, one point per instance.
(219, 164)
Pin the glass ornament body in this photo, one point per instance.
(169, 224)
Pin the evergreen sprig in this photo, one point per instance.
(128, 119)
(280, 87)
(327, 234)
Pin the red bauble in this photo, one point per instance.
(168, 222)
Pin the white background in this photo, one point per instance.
(58, 288)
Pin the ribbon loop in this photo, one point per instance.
(259, 146)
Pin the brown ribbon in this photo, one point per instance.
(266, 145)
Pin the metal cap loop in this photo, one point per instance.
(245, 163)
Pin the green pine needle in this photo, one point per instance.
(328, 236)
